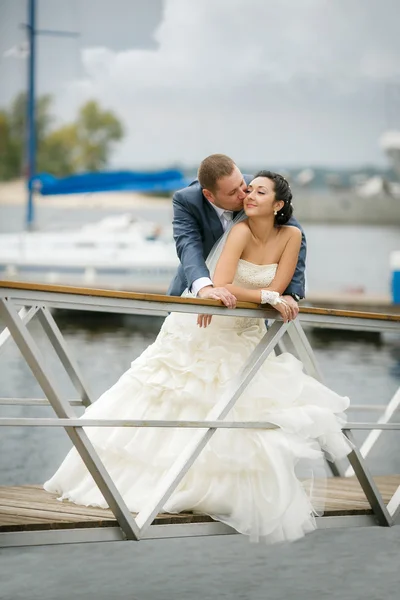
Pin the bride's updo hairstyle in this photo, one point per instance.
(283, 193)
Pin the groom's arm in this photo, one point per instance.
(188, 241)
(297, 285)
(189, 247)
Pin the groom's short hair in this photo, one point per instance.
(213, 168)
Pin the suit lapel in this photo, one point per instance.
(214, 221)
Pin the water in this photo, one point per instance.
(347, 257)
(346, 564)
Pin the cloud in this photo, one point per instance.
(255, 79)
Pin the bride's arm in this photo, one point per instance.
(228, 262)
(288, 261)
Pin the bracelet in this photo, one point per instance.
(269, 297)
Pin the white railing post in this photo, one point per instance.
(25, 316)
(62, 408)
(368, 484)
(374, 436)
(68, 361)
(394, 506)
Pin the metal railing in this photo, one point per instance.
(20, 302)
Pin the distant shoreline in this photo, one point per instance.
(13, 193)
(311, 206)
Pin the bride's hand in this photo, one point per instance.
(284, 309)
(204, 320)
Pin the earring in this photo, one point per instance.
(275, 212)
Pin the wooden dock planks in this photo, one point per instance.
(30, 508)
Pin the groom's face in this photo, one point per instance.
(230, 191)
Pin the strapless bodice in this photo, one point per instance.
(252, 276)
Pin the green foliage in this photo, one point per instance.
(10, 163)
(95, 131)
(57, 152)
(84, 145)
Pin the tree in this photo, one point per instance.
(14, 124)
(56, 154)
(84, 145)
(96, 130)
(9, 151)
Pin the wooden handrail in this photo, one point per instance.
(64, 289)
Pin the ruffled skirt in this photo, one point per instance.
(260, 482)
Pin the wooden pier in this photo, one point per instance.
(31, 516)
(30, 507)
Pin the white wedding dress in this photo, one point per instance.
(245, 478)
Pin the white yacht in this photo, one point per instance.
(118, 252)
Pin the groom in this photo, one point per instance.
(202, 212)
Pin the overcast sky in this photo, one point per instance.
(269, 82)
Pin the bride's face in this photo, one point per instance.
(261, 201)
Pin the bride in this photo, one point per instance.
(248, 479)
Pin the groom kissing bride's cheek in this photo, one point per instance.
(219, 200)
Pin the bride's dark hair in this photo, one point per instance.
(282, 192)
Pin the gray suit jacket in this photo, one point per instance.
(197, 227)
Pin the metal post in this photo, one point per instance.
(368, 484)
(31, 125)
(374, 436)
(62, 408)
(56, 339)
(25, 316)
(394, 505)
(31, 141)
(304, 350)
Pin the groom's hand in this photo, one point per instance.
(294, 307)
(219, 293)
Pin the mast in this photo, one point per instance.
(31, 112)
(31, 142)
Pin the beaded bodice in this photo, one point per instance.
(252, 276)
(255, 277)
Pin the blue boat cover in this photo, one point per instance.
(107, 181)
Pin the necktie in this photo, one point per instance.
(228, 217)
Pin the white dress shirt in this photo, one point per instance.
(225, 216)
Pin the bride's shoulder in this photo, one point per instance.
(290, 231)
(241, 229)
(238, 235)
